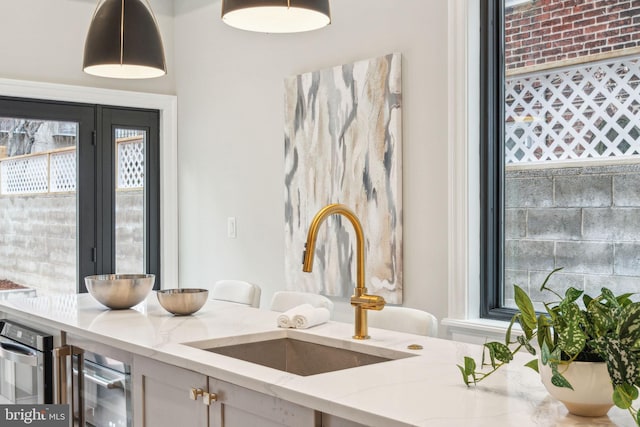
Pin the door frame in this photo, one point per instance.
(167, 105)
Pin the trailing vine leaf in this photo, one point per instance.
(624, 395)
(624, 299)
(600, 317)
(629, 327)
(468, 370)
(523, 341)
(465, 377)
(544, 331)
(568, 308)
(533, 364)
(469, 366)
(553, 312)
(560, 381)
(572, 294)
(528, 332)
(608, 295)
(555, 356)
(545, 354)
(623, 364)
(528, 314)
(572, 339)
(543, 287)
(599, 345)
(498, 351)
(507, 336)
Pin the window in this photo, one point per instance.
(560, 149)
(63, 213)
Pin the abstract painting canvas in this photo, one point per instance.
(343, 144)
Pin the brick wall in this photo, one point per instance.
(584, 219)
(38, 245)
(543, 31)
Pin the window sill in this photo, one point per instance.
(476, 331)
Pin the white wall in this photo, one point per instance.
(230, 119)
(229, 85)
(43, 40)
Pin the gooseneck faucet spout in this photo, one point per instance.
(360, 299)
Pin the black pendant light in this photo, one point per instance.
(276, 16)
(124, 42)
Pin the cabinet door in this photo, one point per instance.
(162, 395)
(240, 407)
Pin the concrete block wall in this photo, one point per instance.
(129, 231)
(585, 219)
(38, 239)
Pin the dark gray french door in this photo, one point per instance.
(128, 202)
(79, 192)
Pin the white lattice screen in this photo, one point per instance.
(587, 111)
(63, 171)
(55, 171)
(131, 164)
(25, 175)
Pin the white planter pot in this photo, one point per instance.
(592, 390)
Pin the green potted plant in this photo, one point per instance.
(604, 329)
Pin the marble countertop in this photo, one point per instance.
(426, 390)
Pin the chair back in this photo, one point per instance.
(237, 291)
(284, 300)
(404, 319)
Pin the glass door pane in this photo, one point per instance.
(571, 158)
(129, 200)
(128, 230)
(38, 214)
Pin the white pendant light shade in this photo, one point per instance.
(276, 16)
(124, 42)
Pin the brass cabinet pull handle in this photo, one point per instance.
(195, 392)
(207, 398)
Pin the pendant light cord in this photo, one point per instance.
(122, 33)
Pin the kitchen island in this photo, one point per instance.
(424, 389)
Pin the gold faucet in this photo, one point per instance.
(360, 300)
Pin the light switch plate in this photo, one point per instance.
(231, 227)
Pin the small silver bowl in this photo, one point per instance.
(182, 302)
(120, 291)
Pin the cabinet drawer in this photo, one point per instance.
(240, 407)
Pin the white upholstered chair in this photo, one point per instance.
(404, 319)
(284, 300)
(237, 291)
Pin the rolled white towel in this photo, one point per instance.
(285, 320)
(311, 317)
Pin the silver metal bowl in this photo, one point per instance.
(182, 302)
(120, 291)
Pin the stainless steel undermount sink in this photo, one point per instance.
(291, 353)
